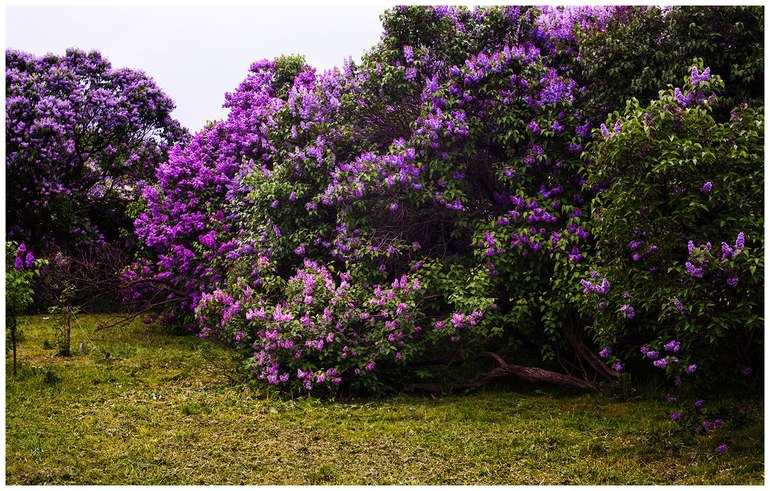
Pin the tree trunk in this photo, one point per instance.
(585, 354)
(12, 325)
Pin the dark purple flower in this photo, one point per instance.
(695, 272)
(746, 371)
(706, 188)
(605, 352)
(676, 415)
(672, 345)
(722, 448)
(691, 368)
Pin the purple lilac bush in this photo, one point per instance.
(446, 196)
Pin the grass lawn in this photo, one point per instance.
(162, 410)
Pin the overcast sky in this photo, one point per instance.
(197, 53)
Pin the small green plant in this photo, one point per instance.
(59, 287)
(324, 474)
(21, 268)
(50, 377)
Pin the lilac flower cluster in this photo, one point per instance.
(25, 259)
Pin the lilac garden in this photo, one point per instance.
(577, 191)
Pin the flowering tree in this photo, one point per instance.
(80, 135)
(429, 203)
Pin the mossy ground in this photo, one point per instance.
(162, 410)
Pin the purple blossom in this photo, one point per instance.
(722, 448)
(408, 54)
(695, 272)
(746, 371)
(699, 403)
(678, 306)
(706, 188)
(691, 368)
(575, 256)
(672, 346)
(618, 367)
(727, 251)
(676, 415)
(698, 78)
(739, 242)
(605, 352)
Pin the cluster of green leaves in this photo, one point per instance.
(644, 49)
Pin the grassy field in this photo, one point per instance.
(161, 409)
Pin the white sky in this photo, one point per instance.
(197, 53)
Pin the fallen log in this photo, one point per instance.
(505, 369)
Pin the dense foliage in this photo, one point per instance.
(80, 135)
(679, 230)
(438, 199)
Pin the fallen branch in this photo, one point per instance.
(505, 369)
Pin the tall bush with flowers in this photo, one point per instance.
(431, 200)
(679, 237)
